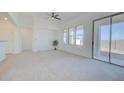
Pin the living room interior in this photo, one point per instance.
(61, 46)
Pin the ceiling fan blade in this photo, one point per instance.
(58, 18)
(56, 15)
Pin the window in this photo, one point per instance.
(71, 36)
(102, 39)
(79, 35)
(109, 39)
(74, 35)
(117, 40)
(65, 37)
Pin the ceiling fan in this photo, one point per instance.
(54, 16)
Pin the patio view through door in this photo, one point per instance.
(109, 39)
(102, 39)
(117, 44)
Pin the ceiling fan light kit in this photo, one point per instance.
(54, 16)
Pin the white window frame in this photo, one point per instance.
(67, 39)
(82, 36)
(71, 30)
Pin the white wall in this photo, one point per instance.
(86, 20)
(7, 30)
(26, 37)
(2, 51)
(86, 49)
(44, 32)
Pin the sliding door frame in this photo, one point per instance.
(93, 31)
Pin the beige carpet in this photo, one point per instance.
(56, 65)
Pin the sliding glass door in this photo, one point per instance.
(109, 39)
(102, 39)
(117, 44)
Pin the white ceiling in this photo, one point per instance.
(65, 16)
(5, 15)
(70, 15)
